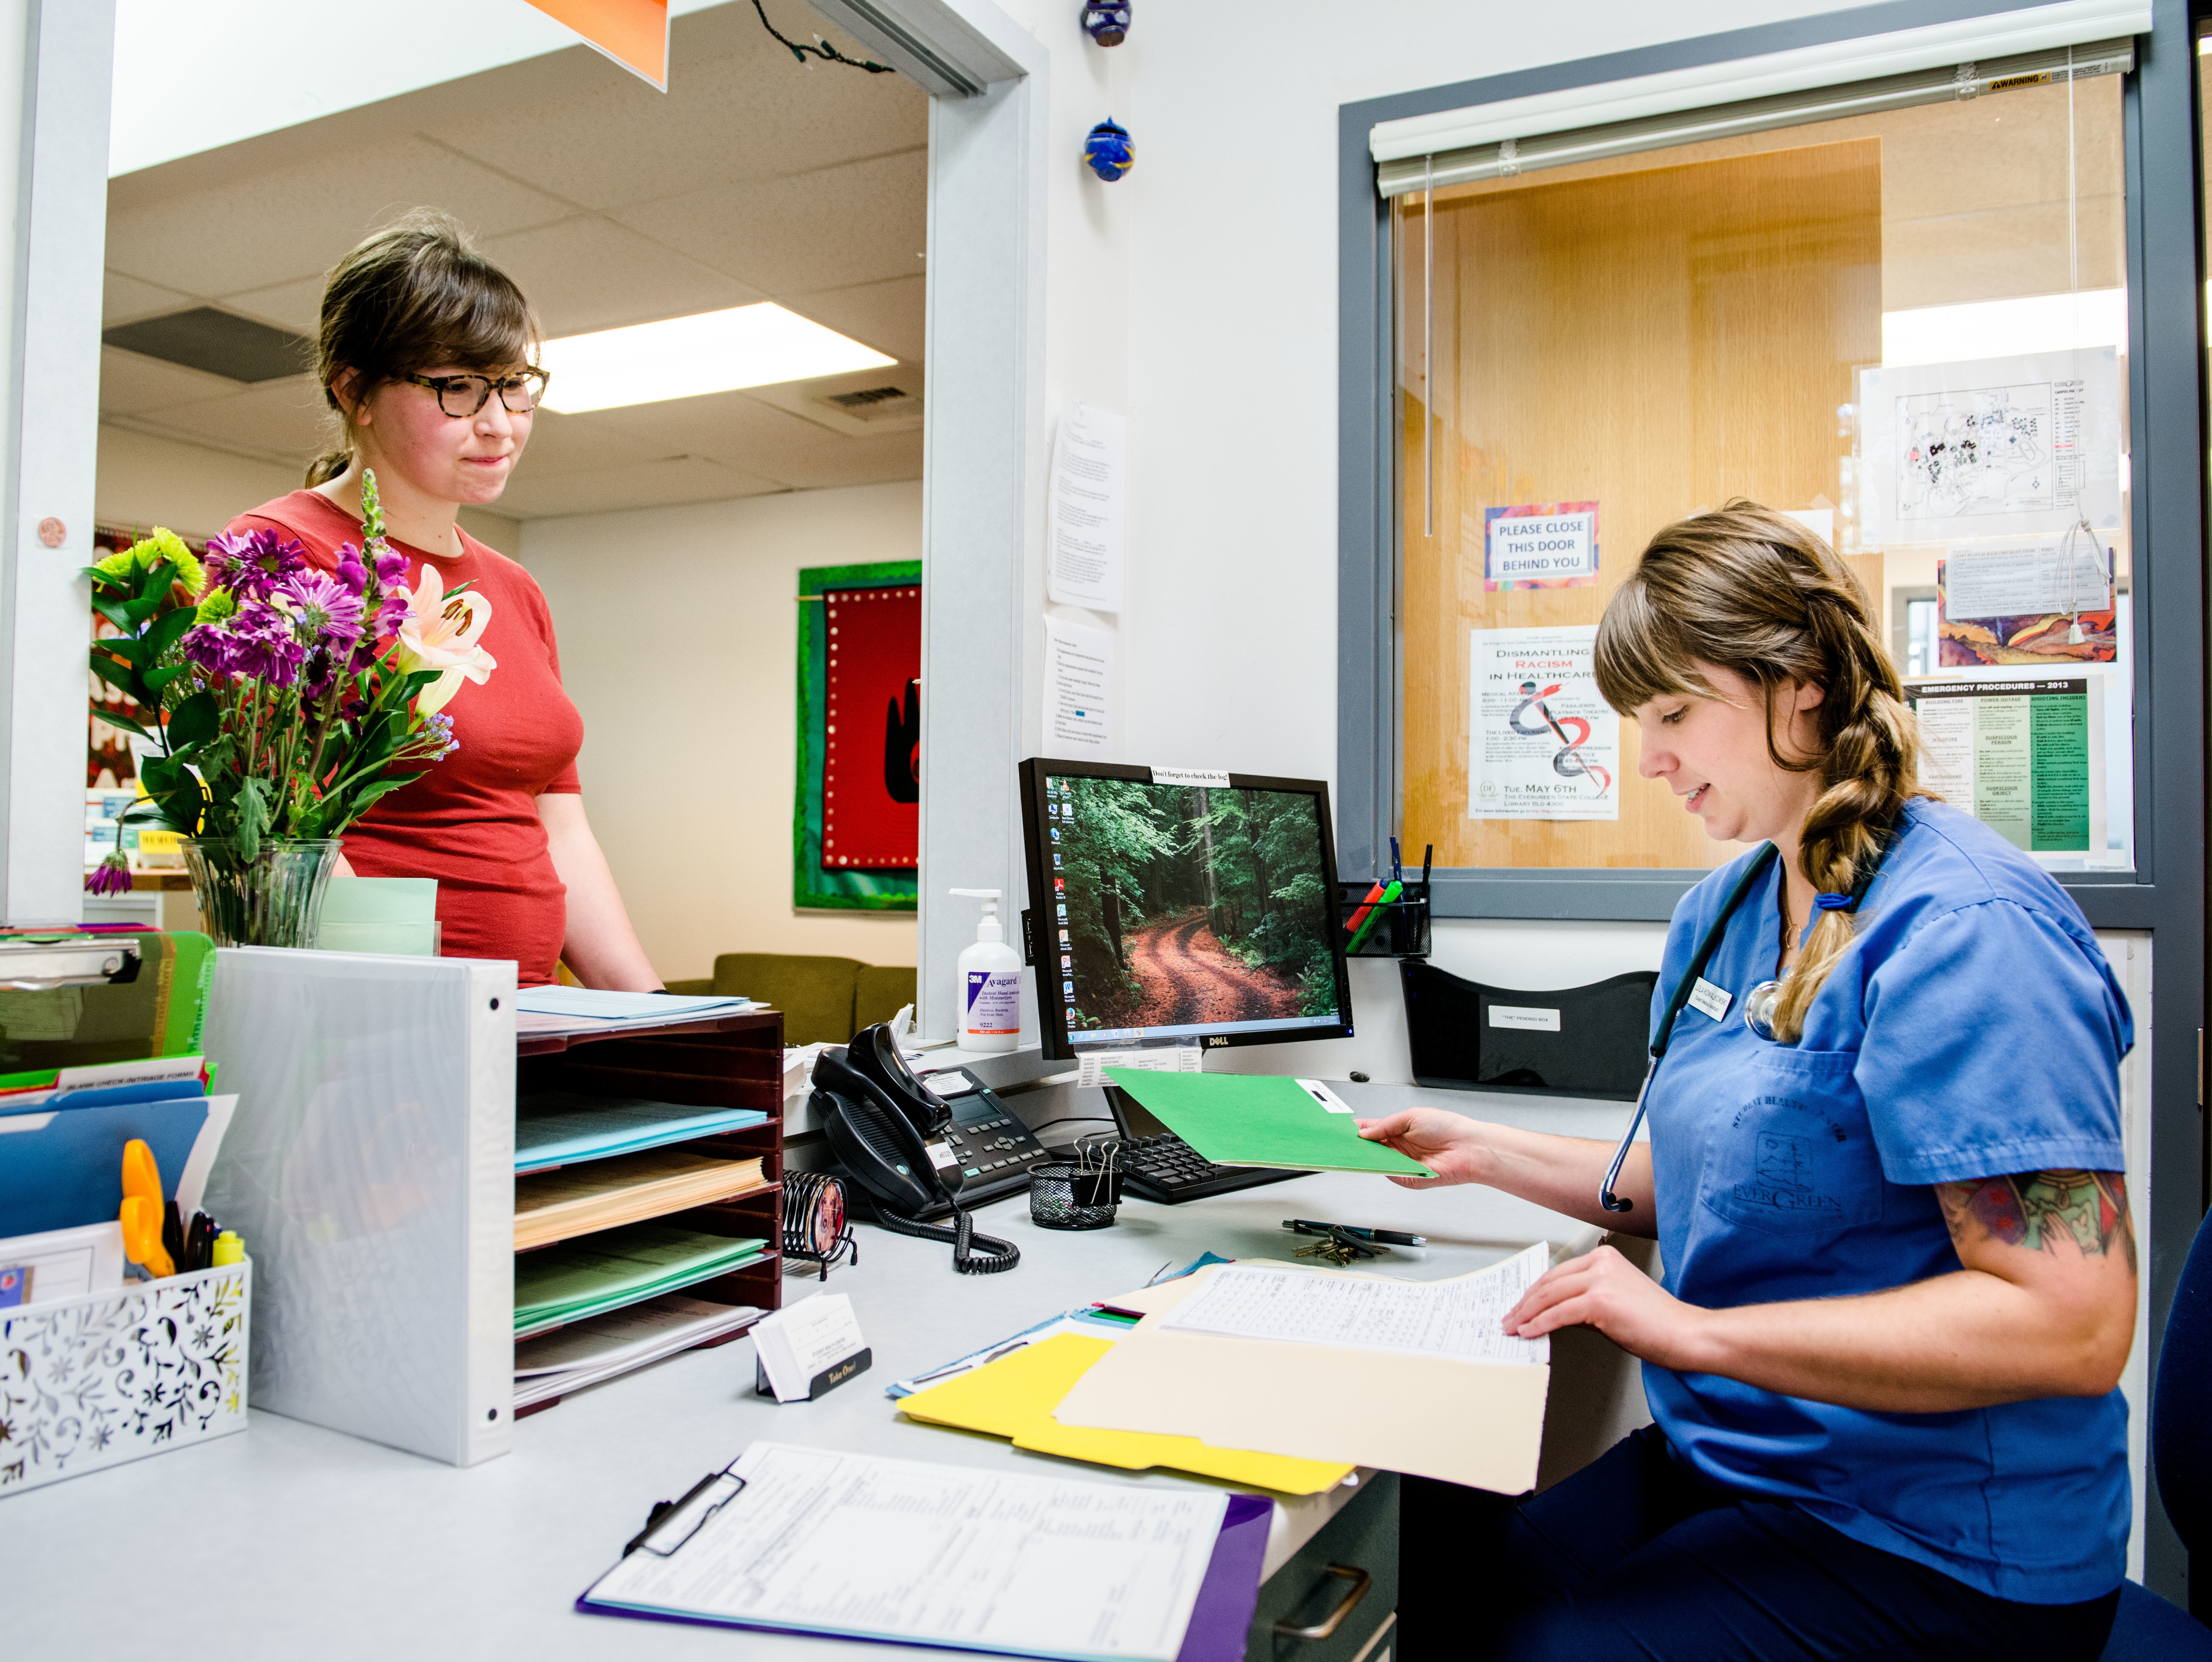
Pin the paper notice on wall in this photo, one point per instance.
(1991, 447)
(2026, 758)
(1553, 546)
(1543, 743)
(1083, 561)
(1079, 688)
(2027, 576)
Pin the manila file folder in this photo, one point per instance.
(1477, 1423)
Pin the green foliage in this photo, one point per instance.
(241, 760)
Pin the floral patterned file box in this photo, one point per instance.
(95, 1381)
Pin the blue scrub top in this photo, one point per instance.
(1974, 1031)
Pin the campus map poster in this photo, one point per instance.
(1991, 446)
(1542, 745)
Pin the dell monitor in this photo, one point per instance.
(1179, 904)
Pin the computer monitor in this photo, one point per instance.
(1172, 906)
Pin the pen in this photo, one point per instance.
(1384, 1237)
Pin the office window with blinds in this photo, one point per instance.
(1895, 309)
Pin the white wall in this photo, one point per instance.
(678, 631)
(1197, 294)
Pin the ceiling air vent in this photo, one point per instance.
(875, 403)
(218, 342)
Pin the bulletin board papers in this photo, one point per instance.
(1532, 547)
(2025, 576)
(1989, 447)
(1078, 690)
(1083, 563)
(2025, 758)
(1542, 743)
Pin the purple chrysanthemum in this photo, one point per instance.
(327, 614)
(111, 876)
(251, 563)
(263, 644)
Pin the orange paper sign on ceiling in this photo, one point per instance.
(634, 33)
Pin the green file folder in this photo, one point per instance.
(1259, 1119)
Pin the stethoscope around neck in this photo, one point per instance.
(1758, 1004)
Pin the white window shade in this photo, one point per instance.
(1958, 59)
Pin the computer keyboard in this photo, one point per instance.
(1165, 1168)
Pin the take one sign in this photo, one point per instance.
(1552, 545)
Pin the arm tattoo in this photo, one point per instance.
(2039, 1209)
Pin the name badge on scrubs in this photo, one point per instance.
(1713, 1001)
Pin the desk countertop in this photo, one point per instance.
(288, 1541)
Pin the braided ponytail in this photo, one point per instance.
(1754, 593)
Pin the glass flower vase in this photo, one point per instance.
(273, 899)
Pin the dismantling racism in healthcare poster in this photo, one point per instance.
(1543, 743)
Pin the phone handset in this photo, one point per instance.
(879, 1147)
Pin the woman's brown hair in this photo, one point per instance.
(414, 296)
(1754, 593)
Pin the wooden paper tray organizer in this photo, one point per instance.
(735, 1062)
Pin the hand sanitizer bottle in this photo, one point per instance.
(990, 984)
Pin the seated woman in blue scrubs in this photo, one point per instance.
(1899, 1277)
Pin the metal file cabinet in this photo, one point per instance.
(1317, 1608)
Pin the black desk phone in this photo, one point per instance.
(910, 1153)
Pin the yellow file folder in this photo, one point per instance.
(1015, 1396)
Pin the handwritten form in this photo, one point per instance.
(1459, 1318)
(820, 1541)
(1088, 467)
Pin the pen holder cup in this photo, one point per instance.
(1402, 931)
(1066, 1197)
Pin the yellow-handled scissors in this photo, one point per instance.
(142, 1210)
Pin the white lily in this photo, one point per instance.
(442, 633)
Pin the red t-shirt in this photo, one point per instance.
(471, 821)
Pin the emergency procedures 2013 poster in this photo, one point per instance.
(1543, 743)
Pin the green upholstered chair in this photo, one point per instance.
(825, 1000)
(879, 992)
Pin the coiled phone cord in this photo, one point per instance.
(972, 1254)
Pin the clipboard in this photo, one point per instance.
(1219, 1623)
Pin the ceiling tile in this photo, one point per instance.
(125, 299)
(892, 317)
(882, 460)
(294, 305)
(132, 386)
(279, 418)
(733, 429)
(644, 485)
(590, 273)
(581, 443)
(836, 227)
(737, 107)
(290, 222)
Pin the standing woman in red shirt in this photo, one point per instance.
(424, 356)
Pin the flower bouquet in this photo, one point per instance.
(289, 701)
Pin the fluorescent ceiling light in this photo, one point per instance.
(2004, 328)
(686, 357)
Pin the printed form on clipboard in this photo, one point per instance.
(824, 1541)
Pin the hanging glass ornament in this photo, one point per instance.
(1109, 151)
(1107, 21)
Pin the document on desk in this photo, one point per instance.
(1434, 1398)
(821, 1541)
(1460, 1318)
